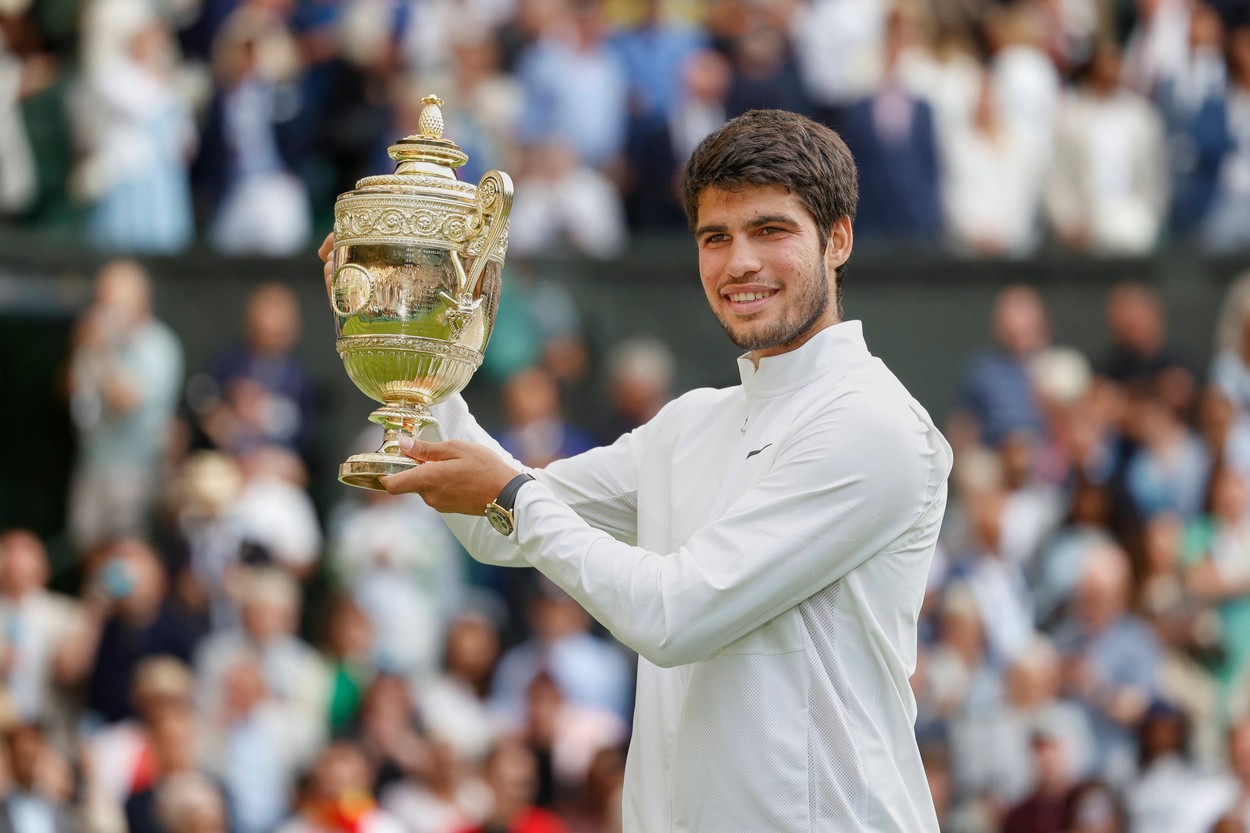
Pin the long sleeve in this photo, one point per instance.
(599, 485)
(842, 488)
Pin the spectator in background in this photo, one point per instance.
(253, 139)
(191, 803)
(575, 88)
(1228, 224)
(839, 46)
(995, 396)
(291, 671)
(207, 542)
(36, 628)
(254, 746)
(1169, 468)
(538, 324)
(347, 89)
(656, 54)
(1171, 793)
(512, 774)
(482, 107)
(349, 657)
(1111, 659)
(960, 682)
(276, 513)
(1087, 527)
(1094, 807)
(996, 582)
(128, 619)
(405, 571)
(172, 738)
(1237, 781)
(565, 737)
(564, 204)
(19, 78)
(1216, 554)
(536, 432)
(1230, 369)
(442, 797)
(125, 378)
(640, 374)
(452, 704)
(33, 800)
(137, 132)
(892, 137)
(991, 183)
(338, 796)
(1045, 809)
(389, 731)
(1026, 84)
(1194, 109)
(701, 108)
(587, 670)
(764, 73)
(265, 392)
(1140, 351)
(1159, 45)
(1108, 190)
(121, 755)
(430, 31)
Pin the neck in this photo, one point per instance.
(794, 344)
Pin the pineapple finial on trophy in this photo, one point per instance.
(430, 123)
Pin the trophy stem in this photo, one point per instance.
(397, 420)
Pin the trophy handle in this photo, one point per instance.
(494, 204)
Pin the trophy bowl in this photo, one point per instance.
(416, 273)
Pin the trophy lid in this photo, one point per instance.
(428, 152)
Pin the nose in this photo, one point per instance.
(743, 259)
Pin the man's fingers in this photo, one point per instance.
(327, 246)
(411, 481)
(424, 450)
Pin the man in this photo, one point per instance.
(764, 548)
(125, 377)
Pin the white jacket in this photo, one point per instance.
(764, 549)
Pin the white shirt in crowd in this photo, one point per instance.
(764, 548)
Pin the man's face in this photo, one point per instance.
(763, 270)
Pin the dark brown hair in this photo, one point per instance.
(775, 147)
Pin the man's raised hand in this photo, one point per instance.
(327, 247)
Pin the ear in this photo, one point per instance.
(838, 249)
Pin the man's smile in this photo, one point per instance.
(745, 300)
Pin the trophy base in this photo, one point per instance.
(363, 470)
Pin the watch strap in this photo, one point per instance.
(507, 497)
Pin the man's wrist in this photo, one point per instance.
(500, 511)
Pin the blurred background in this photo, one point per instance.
(202, 631)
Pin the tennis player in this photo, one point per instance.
(764, 548)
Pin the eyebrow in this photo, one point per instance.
(758, 222)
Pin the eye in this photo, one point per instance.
(715, 238)
(770, 230)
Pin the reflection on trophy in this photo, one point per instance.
(417, 264)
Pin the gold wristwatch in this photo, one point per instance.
(499, 510)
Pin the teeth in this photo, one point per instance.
(748, 296)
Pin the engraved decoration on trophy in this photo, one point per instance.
(417, 265)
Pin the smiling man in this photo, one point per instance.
(764, 548)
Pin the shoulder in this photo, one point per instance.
(693, 404)
(871, 423)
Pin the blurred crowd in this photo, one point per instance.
(986, 126)
(223, 656)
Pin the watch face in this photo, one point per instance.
(499, 519)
